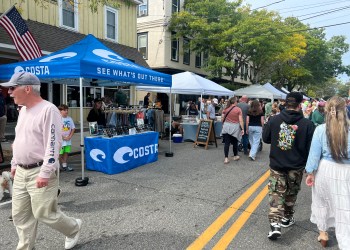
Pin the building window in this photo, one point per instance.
(142, 44)
(242, 71)
(175, 6)
(111, 21)
(246, 72)
(68, 12)
(198, 63)
(143, 9)
(174, 47)
(186, 50)
(205, 59)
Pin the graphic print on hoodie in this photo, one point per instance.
(286, 136)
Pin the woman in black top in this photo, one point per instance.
(254, 123)
(96, 114)
(193, 109)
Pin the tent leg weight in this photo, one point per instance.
(169, 154)
(80, 182)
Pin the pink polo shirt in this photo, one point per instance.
(38, 137)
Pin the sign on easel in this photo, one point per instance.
(205, 133)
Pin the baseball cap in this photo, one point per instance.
(321, 104)
(97, 100)
(22, 78)
(296, 97)
(215, 101)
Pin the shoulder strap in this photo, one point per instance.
(228, 113)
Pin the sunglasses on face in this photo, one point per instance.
(13, 88)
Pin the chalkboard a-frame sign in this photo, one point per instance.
(205, 133)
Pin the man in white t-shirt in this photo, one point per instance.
(34, 165)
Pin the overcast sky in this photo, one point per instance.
(317, 13)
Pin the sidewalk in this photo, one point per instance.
(10, 136)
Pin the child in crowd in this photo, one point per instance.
(68, 130)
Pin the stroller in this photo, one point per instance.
(240, 146)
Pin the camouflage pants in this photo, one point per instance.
(283, 191)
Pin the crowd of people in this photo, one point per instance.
(309, 137)
(306, 137)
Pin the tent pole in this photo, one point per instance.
(83, 181)
(200, 107)
(81, 128)
(170, 153)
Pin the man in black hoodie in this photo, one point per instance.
(290, 135)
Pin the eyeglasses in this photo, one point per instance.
(13, 88)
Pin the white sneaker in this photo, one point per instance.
(71, 242)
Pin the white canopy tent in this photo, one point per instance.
(189, 83)
(304, 97)
(272, 89)
(258, 91)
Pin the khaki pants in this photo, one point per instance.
(31, 205)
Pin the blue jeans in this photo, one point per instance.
(254, 139)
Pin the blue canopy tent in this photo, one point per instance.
(86, 63)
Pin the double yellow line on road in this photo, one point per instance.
(214, 228)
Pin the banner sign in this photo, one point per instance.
(119, 154)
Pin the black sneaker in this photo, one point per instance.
(275, 231)
(10, 218)
(287, 222)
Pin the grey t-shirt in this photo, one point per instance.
(244, 107)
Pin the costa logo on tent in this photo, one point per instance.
(125, 154)
(63, 56)
(107, 55)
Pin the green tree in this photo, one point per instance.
(266, 43)
(234, 37)
(205, 24)
(322, 61)
(343, 89)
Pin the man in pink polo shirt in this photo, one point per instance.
(34, 165)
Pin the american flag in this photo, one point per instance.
(19, 32)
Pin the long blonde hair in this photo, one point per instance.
(337, 126)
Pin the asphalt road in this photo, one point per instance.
(170, 203)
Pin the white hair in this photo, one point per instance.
(36, 89)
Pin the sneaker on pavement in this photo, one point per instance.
(71, 242)
(252, 158)
(275, 231)
(69, 169)
(236, 158)
(287, 222)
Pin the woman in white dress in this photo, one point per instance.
(328, 173)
